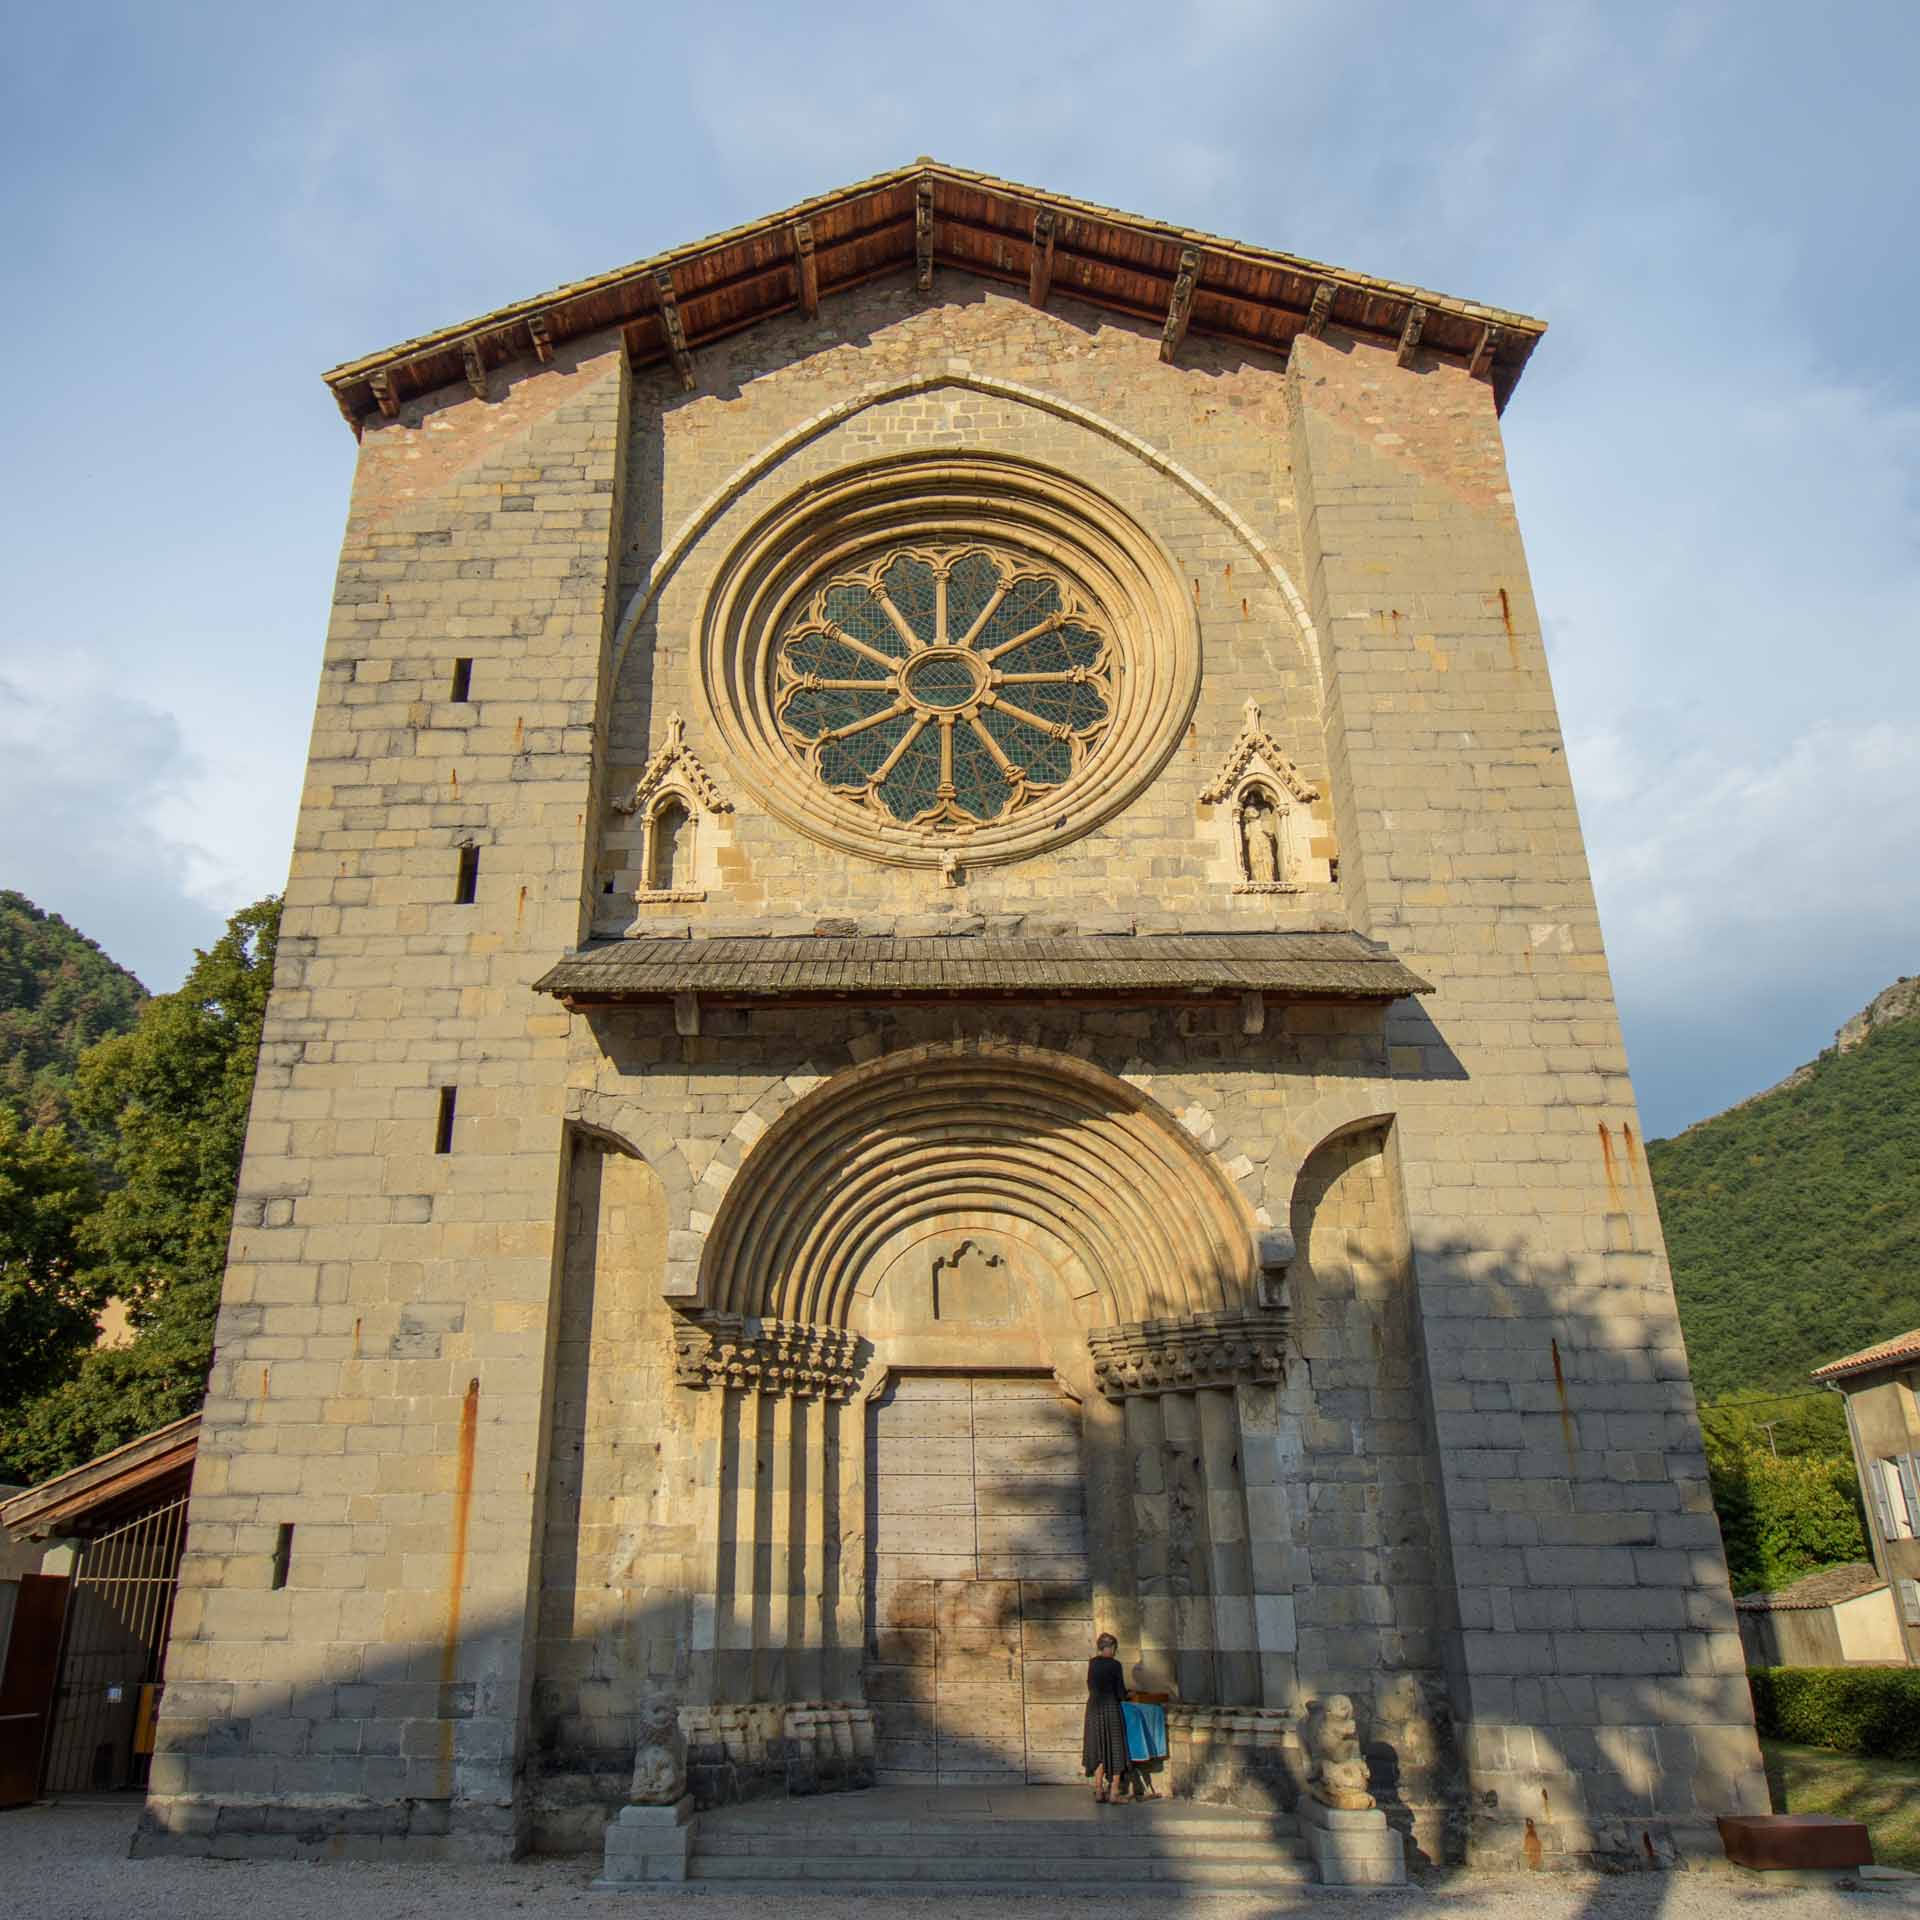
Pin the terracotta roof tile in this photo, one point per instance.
(1903, 1346)
(1827, 1588)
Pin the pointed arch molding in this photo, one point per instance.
(815, 425)
(1011, 1132)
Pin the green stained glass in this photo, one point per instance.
(854, 761)
(888, 690)
(913, 784)
(909, 585)
(831, 659)
(855, 611)
(946, 680)
(1045, 760)
(970, 586)
(812, 711)
(1057, 652)
(980, 786)
(1028, 602)
(1062, 703)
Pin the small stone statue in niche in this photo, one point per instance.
(1332, 1740)
(1260, 838)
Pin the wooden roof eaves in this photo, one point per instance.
(106, 1479)
(627, 296)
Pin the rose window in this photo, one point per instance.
(944, 687)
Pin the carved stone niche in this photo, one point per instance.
(1176, 1356)
(772, 1356)
(664, 834)
(1270, 822)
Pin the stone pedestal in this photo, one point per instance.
(647, 1845)
(1353, 1849)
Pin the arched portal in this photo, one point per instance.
(975, 1324)
(1040, 1140)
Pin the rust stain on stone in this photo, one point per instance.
(519, 730)
(453, 778)
(1506, 620)
(1632, 1149)
(1566, 1407)
(1532, 1848)
(457, 1573)
(519, 912)
(266, 1373)
(1613, 1172)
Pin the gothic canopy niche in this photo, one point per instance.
(954, 655)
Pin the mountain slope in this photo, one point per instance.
(1793, 1220)
(58, 994)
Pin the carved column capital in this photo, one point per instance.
(1175, 1356)
(775, 1356)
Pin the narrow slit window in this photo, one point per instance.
(469, 880)
(443, 1132)
(282, 1554)
(462, 680)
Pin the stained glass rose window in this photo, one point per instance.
(944, 686)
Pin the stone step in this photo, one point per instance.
(1122, 1823)
(1059, 1873)
(1081, 1843)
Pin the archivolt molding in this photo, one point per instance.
(823, 422)
(1017, 507)
(1014, 1132)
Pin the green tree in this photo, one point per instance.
(173, 1095)
(48, 1299)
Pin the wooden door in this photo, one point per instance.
(978, 1588)
(27, 1681)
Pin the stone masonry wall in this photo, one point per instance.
(384, 1338)
(1598, 1660)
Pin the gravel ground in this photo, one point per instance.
(68, 1861)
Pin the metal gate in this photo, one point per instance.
(118, 1612)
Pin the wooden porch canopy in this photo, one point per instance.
(924, 217)
(1300, 966)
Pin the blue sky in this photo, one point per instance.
(1714, 451)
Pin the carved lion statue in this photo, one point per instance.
(1338, 1776)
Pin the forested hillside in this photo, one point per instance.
(1793, 1220)
(133, 1205)
(58, 995)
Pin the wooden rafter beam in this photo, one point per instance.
(475, 363)
(673, 329)
(1484, 351)
(386, 395)
(1040, 271)
(1410, 333)
(1320, 311)
(1180, 306)
(923, 236)
(540, 332)
(807, 267)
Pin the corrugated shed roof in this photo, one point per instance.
(1303, 965)
(1827, 1588)
(1903, 1346)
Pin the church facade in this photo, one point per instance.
(939, 993)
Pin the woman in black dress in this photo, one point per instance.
(1103, 1746)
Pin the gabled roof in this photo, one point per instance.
(1827, 1588)
(927, 216)
(1902, 1347)
(71, 1501)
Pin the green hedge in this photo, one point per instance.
(1871, 1711)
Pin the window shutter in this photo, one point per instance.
(1910, 1602)
(1882, 1505)
(1905, 1467)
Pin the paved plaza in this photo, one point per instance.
(68, 1861)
